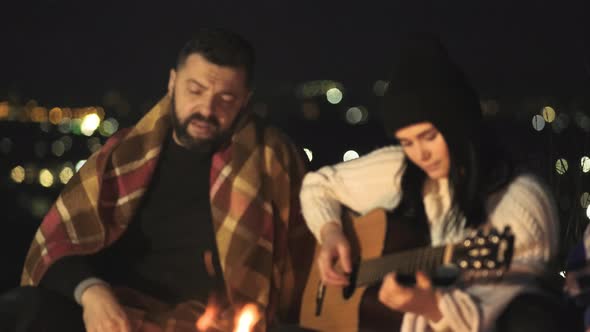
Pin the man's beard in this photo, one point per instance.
(190, 142)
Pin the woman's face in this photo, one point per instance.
(426, 147)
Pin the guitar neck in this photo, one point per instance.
(407, 262)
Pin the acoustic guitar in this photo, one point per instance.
(484, 255)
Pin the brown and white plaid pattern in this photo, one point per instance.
(264, 246)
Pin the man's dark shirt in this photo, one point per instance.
(162, 251)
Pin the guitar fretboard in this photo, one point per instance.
(406, 262)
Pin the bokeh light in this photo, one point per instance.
(79, 164)
(538, 122)
(380, 87)
(585, 164)
(67, 113)
(308, 153)
(108, 127)
(314, 89)
(561, 166)
(4, 110)
(46, 178)
(39, 206)
(65, 126)
(58, 148)
(67, 141)
(89, 124)
(76, 126)
(17, 174)
(350, 155)
(66, 174)
(94, 144)
(583, 121)
(548, 114)
(99, 110)
(55, 116)
(334, 96)
(356, 115)
(39, 114)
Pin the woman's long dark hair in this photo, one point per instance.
(478, 167)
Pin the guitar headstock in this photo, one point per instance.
(485, 253)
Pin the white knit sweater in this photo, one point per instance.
(373, 181)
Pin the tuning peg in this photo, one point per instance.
(477, 264)
(493, 235)
(495, 239)
(490, 264)
(480, 240)
(467, 243)
(463, 264)
(479, 252)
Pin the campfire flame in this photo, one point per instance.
(247, 318)
(207, 319)
(244, 320)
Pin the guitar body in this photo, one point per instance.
(362, 311)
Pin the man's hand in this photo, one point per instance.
(335, 247)
(102, 311)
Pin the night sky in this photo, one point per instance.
(73, 53)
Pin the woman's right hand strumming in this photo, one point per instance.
(335, 248)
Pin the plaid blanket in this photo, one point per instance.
(264, 246)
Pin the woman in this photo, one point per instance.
(444, 173)
(577, 282)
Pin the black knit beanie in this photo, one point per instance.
(426, 85)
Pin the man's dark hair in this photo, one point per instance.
(223, 48)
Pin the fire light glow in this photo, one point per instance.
(247, 318)
(207, 319)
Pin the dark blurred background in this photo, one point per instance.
(73, 72)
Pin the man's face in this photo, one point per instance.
(206, 100)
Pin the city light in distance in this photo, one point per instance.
(350, 155)
(334, 96)
(80, 164)
(17, 174)
(46, 178)
(308, 153)
(89, 124)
